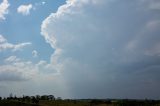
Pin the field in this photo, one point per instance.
(85, 102)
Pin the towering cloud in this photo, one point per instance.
(106, 48)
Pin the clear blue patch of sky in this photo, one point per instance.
(18, 28)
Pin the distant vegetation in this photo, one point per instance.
(50, 100)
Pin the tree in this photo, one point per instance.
(34, 100)
(51, 97)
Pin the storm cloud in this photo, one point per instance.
(106, 48)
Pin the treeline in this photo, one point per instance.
(29, 99)
(51, 99)
(125, 102)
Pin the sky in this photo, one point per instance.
(80, 48)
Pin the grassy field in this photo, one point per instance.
(15, 103)
(79, 103)
(63, 103)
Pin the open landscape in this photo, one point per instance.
(80, 52)
(50, 100)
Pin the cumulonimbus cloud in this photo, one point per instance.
(105, 46)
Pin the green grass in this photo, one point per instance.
(63, 103)
(68, 103)
(15, 103)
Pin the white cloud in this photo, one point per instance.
(5, 45)
(4, 9)
(24, 9)
(34, 53)
(46, 68)
(20, 46)
(40, 3)
(2, 39)
(16, 69)
(92, 41)
(12, 59)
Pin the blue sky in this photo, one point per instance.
(17, 28)
(80, 48)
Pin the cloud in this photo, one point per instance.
(147, 41)
(20, 46)
(2, 39)
(15, 69)
(10, 73)
(154, 4)
(46, 68)
(40, 3)
(24, 9)
(103, 46)
(34, 53)
(4, 9)
(5, 45)
(12, 59)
